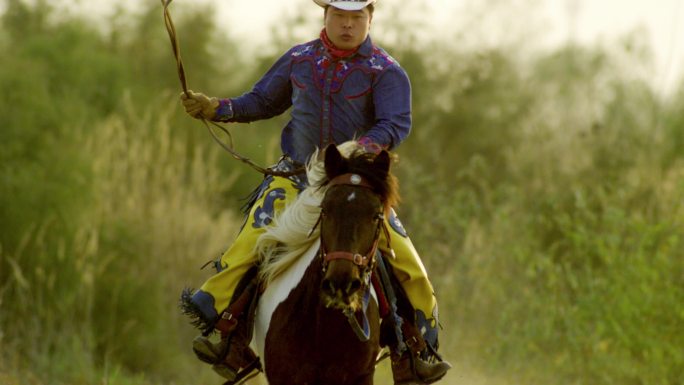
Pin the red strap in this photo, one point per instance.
(383, 304)
(226, 323)
(357, 259)
(229, 318)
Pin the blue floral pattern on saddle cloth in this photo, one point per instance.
(396, 225)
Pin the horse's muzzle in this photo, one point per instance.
(341, 293)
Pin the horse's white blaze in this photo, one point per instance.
(276, 292)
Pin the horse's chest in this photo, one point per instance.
(278, 293)
(305, 343)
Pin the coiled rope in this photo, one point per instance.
(229, 147)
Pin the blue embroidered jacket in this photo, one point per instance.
(367, 95)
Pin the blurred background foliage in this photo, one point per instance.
(543, 190)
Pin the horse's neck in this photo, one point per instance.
(281, 288)
(304, 297)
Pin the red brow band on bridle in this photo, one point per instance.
(351, 180)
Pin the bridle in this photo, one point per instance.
(365, 261)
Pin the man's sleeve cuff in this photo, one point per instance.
(224, 112)
(370, 146)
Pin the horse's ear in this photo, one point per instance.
(334, 162)
(382, 162)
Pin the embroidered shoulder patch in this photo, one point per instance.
(303, 50)
(380, 60)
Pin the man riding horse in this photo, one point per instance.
(340, 86)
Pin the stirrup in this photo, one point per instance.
(216, 354)
(411, 369)
(243, 375)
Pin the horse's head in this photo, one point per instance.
(359, 193)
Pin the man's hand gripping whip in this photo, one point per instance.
(171, 29)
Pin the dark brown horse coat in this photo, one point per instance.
(309, 344)
(307, 340)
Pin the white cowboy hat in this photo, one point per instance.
(347, 5)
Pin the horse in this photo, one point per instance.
(316, 260)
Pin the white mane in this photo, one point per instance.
(289, 236)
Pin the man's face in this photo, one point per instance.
(347, 29)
